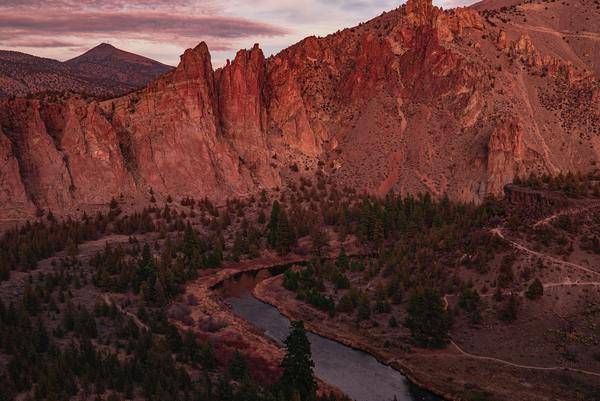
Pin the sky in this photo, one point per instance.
(163, 29)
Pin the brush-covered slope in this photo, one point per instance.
(103, 71)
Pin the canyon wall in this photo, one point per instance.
(417, 99)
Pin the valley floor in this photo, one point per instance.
(506, 362)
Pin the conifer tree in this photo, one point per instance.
(428, 320)
(320, 241)
(535, 290)
(342, 260)
(284, 235)
(273, 223)
(298, 377)
(191, 246)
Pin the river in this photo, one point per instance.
(356, 373)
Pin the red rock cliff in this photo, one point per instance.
(417, 99)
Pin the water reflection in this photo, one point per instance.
(356, 373)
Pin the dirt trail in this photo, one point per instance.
(574, 284)
(548, 219)
(133, 317)
(498, 231)
(516, 365)
(559, 34)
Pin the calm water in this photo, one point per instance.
(356, 373)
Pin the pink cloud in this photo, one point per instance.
(79, 23)
(36, 42)
(135, 24)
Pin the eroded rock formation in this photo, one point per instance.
(417, 99)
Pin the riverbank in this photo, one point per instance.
(272, 292)
(447, 373)
(211, 319)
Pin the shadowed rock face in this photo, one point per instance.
(535, 202)
(418, 99)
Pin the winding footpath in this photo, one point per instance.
(136, 320)
(498, 232)
(516, 365)
(565, 212)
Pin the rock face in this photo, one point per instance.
(12, 190)
(537, 201)
(506, 152)
(417, 99)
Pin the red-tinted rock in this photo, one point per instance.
(418, 99)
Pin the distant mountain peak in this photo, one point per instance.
(104, 50)
(102, 71)
(103, 47)
(108, 55)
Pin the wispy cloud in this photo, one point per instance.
(64, 27)
(39, 43)
(153, 25)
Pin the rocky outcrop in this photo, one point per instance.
(506, 152)
(42, 167)
(418, 99)
(501, 40)
(91, 150)
(538, 200)
(65, 155)
(12, 190)
(243, 91)
(447, 25)
(173, 134)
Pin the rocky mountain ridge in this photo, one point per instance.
(417, 99)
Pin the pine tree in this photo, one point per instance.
(470, 301)
(378, 233)
(72, 249)
(159, 294)
(284, 237)
(4, 271)
(146, 267)
(342, 260)
(320, 241)
(364, 307)
(190, 245)
(535, 290)
(428, 320)
(261, 217)
(238, 367)
(273, 224)
(298, 377)
(238, 245)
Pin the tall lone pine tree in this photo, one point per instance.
(297, 381)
